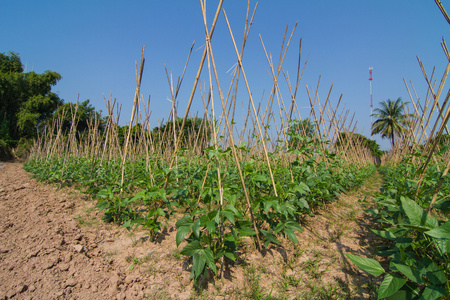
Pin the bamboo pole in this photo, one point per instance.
(208, 52)
(135, 103)
(197, 77)
(442, 9)
(253, 106)
(209, 49)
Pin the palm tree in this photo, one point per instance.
(391, 119)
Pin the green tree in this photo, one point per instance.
(193, 127)
(26, 99)
(85, 113)
(391, 119)
(10, 63)
(136, 130)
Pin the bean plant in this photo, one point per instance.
(215, 217)
(417, 239)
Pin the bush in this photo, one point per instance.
(5, 151)
(22, 151)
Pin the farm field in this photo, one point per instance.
(51, 236)
(215, 205)
(85, 241)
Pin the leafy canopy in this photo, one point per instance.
(26, 99)
(391, 119)
(195, 130)
(354, 139)
(84, 114)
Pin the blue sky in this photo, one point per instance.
(94, 46)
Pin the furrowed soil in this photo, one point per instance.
(54, 245)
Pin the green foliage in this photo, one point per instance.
(369, 265)
(85, 113)
(26, 99)
(299, 130)
(214, 221)
(354, 139)
(5, 153)
(117, 209)
(10, 63)
(417, 244)
(193, 127)
(123, 131)
(212, 235)
(443, 141)
(391, 119)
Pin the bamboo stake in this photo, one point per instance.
(253, 106)
(71, 133)
(208, 43)
(208, 48)
(442, 9)
(197, 77)
(135, 103)
(236, 72)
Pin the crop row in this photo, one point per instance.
(207, 190)
(414, 229)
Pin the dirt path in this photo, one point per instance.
(43, 252)
(53, 245)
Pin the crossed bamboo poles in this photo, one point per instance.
(329, 120)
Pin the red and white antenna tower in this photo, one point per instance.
(371, 103)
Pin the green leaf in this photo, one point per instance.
(127, 224)
(384, 234)
(403, 243)
(441, 232)
(291, 235)
(231, 255)
(232, 209)
(103, 205)
(160, 212)
(369, 265)
(389, 203)
(198, 264)
(269, 237)
(191, 248)
(181, 234)
(432, 292)
(229, 215)
(302, 203)
(397, 231)
(245, 231)
(196, 228)
(302, 188)
(412, 274)
(431, 270)
(208, 253)
(416, 214)
(391, 284)
(186, 220)
(214, 216)
(268, 205)
(200, 257)
(414, 227)
(408, 291)
(210, 226)
(443, 245)
(260, 178)
(293, 225)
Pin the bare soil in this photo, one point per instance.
(54, 245)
